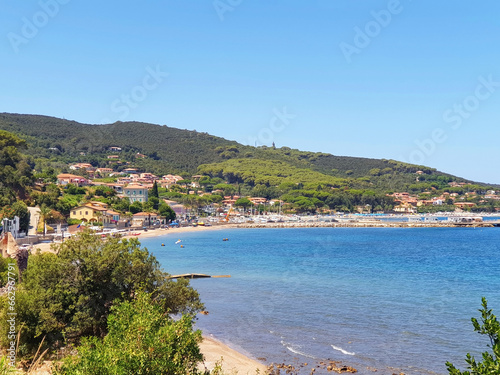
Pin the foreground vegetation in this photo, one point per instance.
(68, 295)
(490, 364)
(141, 339)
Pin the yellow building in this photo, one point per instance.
(94, 212)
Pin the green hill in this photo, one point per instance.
(57, 142)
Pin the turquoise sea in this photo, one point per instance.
(391, 299)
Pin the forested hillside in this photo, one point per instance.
(56, 142)
(181, 150)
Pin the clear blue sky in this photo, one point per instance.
(406, 80)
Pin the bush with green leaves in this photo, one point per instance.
(6, 368)
(6, 271)
(167, 211)
(142, 340)
(68, 295)
(490, 364)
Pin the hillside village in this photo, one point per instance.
(123, 186)
(135, 185)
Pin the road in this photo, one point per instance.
(34, 218)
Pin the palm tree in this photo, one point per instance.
(45, 213)
(99, 215)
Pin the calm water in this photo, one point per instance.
(394, 299)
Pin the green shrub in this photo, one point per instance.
(68, 295)
(489, 326)
(6, 368)
(142, 339)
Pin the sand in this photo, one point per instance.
(175, 232)
(233, 362)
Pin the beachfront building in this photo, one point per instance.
(405, 208)
(136, 193)
(144, 219)
(94, 212)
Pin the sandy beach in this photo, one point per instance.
(47, 246)
(233, 362)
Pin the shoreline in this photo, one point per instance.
(213, 349)
(232, 361)
(46, 246)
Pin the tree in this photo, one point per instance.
(15, 173)
(66, 203)
(303, 204)
(67, 296)
(166, 211)
(141, 340)
(243, 202)
(227, 188)
(489, 326)
(48, 198)
(45, 214)
(20, 210)
(153, 202)
(135, 207)
(154, 191)
(121, 204)
(5, 268)
(104, 191)
(75, 190)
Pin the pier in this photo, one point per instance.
(196, 276)
(482, 224)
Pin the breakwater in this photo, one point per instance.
(366, 224)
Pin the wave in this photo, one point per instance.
(342, 350)
(296, 351)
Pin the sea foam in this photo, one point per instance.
(296, 351)
(342, 350)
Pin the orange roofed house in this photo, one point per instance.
(95, 212)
